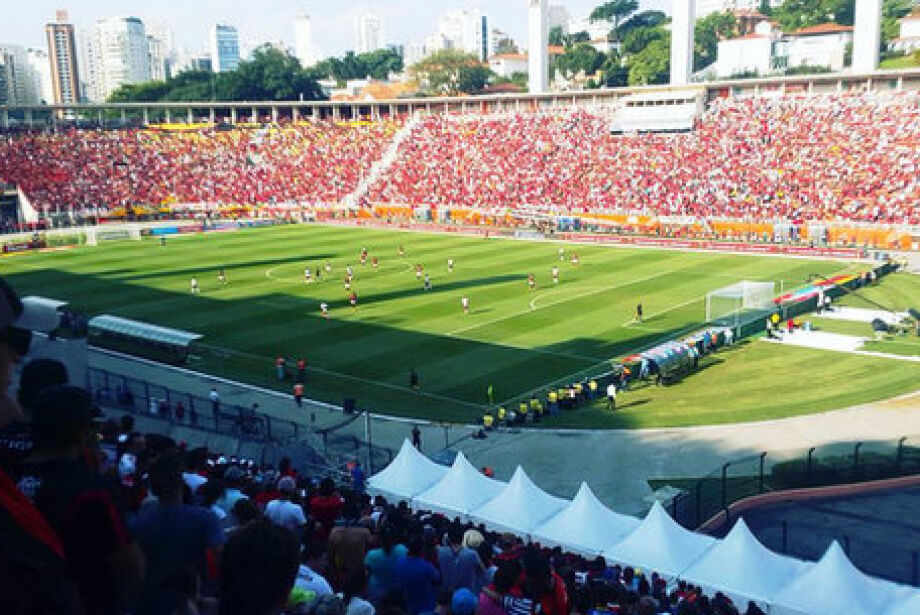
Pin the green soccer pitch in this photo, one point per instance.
(513, 338)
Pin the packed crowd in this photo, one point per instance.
(847, 157)
(81, 170)
(98, 519)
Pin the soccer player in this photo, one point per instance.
(555, 274)
(307, 276)
(561, 254)
(465, 304)
(353, 300)
(328, 267)
(347, 283)
(531, 282)
(450, 265)
(194, 285)
(418, 273)
(324, 308)
(374, 262)
(639, 312)
(162, 242)
(221, 277)
(348, 271)
(575, 259)
(363, 258)
(427, 283)
(319, 272)
(401, 251)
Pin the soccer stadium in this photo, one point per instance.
(626, 349)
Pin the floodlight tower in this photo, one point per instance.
(538, 51)
(867, 35)
(683, 19)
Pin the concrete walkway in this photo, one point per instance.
(616, 464)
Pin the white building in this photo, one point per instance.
(909, 38)
(225, 47)
(823, 45)
(160, 44)
(17, 82)
(368, 33)
(707, 7)
(505, 65)
(595, 30)
(467, 30)
(305, 48)
(40, 72)
(118, 55)
(767, 51)
(194, 61)
(682, 33)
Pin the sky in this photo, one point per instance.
(258, 21)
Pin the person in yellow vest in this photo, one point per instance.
(563, 398)
(501, 414)
(535, 404)
(488, 421)
(552, 399)
(592, 388)
(578, 390)
(522, 412)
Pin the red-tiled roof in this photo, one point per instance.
(825, 28)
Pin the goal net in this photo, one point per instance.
(97, 234)
(730, 306)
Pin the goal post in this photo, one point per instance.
(730, 306)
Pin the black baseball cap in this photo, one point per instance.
(59, 414)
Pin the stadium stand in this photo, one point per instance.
(823, 157)
(309, 163)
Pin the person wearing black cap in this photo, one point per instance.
(16, 437)
(79, 504)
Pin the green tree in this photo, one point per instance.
(796, 14)
(765, 8)
(273, 74)
(645, 19)
(576, 37)
(614, 12)
(556, 36)
(580, 58)
(638, 39)
(707, 34)
(615, 73)
(381, 63)
(450, 72)
(653, 64)
(151, 91)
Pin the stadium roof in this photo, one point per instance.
(143, 330)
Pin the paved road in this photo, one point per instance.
(616, 464)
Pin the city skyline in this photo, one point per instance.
(407, 21)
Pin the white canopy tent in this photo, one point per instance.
(660, 545)
(585, 526)
(463, 489)
(743, 569)
(408, 474)
(834, 586)
(906, 603)
(520, 507)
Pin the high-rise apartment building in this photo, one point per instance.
(62, 56)
(19, 86)
(304, 45)
(119, 54)
(467, 30)
(225, 48)
(160, 46)
(368, 33)
(40, 72)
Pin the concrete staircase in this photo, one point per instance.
(380, 167)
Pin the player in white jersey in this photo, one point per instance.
(194, 286)
(307, 275)
(427, 283)
(555, 275)
(221, 277)
(450, 265)
(324, 308)
(561, 254)
(465, 304)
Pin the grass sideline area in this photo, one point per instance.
(514, 339)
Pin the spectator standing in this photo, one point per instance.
(352, 592)
(325, 508)
(174, 535)
(358, 478)
(16, 437)
(383, 564)
(418, 578)
(257, 570)
(298, 394)
(611, 396)
(279, 367)
(416, 437)
(215, 402)
(460, 566)
(234, 480)
(348, 545)
(283, 511)
(79, 505)
(302, 368)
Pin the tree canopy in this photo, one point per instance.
(271, 74)
(377, 64)
(449, 72)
